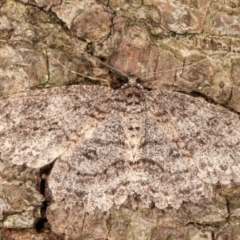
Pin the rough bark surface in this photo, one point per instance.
(186, 46)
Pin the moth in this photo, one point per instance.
(105, 145)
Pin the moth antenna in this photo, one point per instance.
(133, 80)
(87, 56)
(172, 69)
(77, 73)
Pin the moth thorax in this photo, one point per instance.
(133, 103)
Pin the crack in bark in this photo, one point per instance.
(41, 223)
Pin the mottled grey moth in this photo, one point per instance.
(166, 147)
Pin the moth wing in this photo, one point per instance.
(165, 179)
(207, 136)
(36, 127)
(92, 173)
